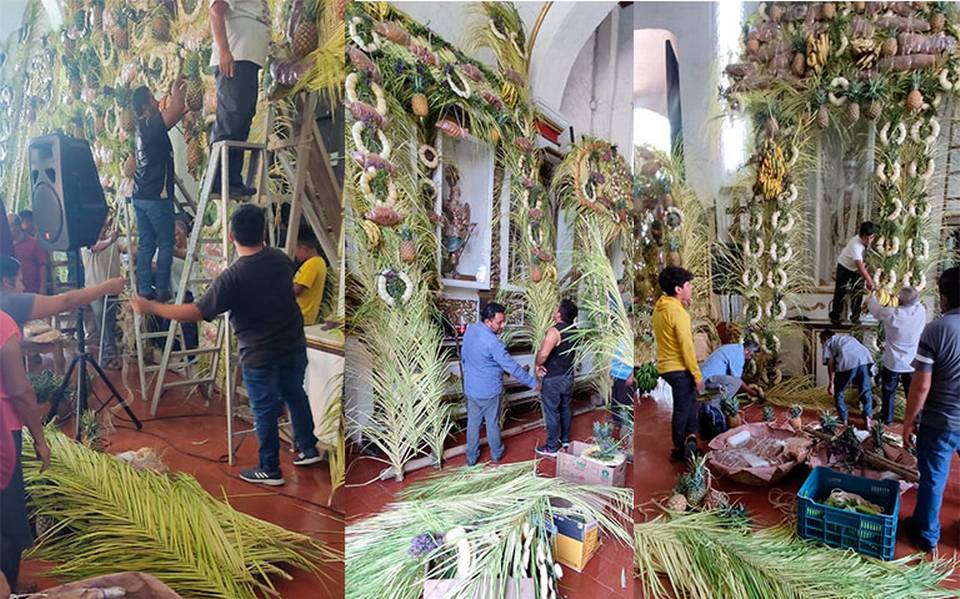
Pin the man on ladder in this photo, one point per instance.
(257, 290)
(241, 35)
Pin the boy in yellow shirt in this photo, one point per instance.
(676, 358)
(310, 278)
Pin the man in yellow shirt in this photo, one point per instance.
(676, 358)
(310, 278)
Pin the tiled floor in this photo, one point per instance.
(192, 438)
(605, 573)
(654, 476)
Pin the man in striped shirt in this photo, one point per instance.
(935, 391)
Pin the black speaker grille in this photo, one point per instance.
(47, 214)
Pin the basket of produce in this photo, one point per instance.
(849, 512)
(756, 453)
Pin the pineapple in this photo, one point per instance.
(853, 106)
(305, 34)
(877, 432)
(128, 120)
(889, 47)
(408, 251)
(536, 273)
(195, 155)
(828, 422)
(828, 10)
(938, 21)
(678, 501)
(194, 91)
(915, 98)
(419, 105)
(799, 64)
(872, 92)
(160, 27)
(697, 482)
(768, 414)
(730, 406)
(823, 115)
(121, 35)
(796, 420)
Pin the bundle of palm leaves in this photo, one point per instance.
(494, 508)
(708, 554)
(103, 509)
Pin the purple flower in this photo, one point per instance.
(423, 544)
(597, 177)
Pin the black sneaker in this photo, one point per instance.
(690, 449)
(545, 450)
(259, 476)
(913, 534)
(305, 458)
(676, 455)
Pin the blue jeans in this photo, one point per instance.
(889, 381)
(480, 410)
(622, 400)
(155, 226)
(555, 395)
(859, 376)
(269, 387)
(935, 449)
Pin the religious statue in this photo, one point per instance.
(457, 227)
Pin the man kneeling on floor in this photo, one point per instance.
(723, 369)
(257, 290)
(848, 363)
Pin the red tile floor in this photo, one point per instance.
(191, 438)
(655, 474)
(606, 570)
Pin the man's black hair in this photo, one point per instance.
(140, 99)
(25, 214)
(306, 237)
(568, 310)
(825, 335)
(9, 267)
(672, 277)
(950, 287)
(247, 225)
(490, 311)
(866, 229)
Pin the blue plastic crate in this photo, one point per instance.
(864, 533)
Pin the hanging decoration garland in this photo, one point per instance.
(394, 287)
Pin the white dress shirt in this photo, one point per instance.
(902, 327)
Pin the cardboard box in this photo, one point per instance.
(572, 466)
(577, 537)
(447, 589)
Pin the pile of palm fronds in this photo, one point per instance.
(387, 559)
(109, 517)
(707, 554)
(802, 390)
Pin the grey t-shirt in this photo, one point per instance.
(939, 354)
(18, 306)
(848, 352)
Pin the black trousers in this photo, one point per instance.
(15, 534)
(622, 399)
(848, 282)
(236, 106)
(888, 390)
(684, 422)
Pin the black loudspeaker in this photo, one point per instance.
(68, 203)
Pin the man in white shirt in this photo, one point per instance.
(902, 327)
(851, 267)
(241, 34)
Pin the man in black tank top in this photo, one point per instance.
(555, 363)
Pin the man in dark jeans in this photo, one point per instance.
(555, 365)
(676, 358)
(935, 391)
(257, 290)
(241, 35)
(851, 268)
(153, 188)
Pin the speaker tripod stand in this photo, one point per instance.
(80, 363)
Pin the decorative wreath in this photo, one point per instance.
(917, 130)
(375, 41)
(461, 90)
(839, 85)
(752, 311)
(777, 279)
(748, 247)
(899, 134)
(888, 246)
(790, 195)
(752, 278)
(776, 256)
(919, 285)
(927, 173)
(385, 147)
(786, 227)
(897, 209)
(351, 89)
(894, 176)
(387, 287)
(918, 212)
(429, 157)
(368, 193)
(924, 247)
(673, 218)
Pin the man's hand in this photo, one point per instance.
(538, 388)
(113, 286)
(870, 285)
(908, 435)
(226, 63)
(700, 388)
(43, 452)
(830, 389)
(141, 305)
(541, 371)
(178, 89)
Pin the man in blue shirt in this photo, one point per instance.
(935, 393)
(485, 359)
(621, 371)
(723, 369)
(848, 363)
